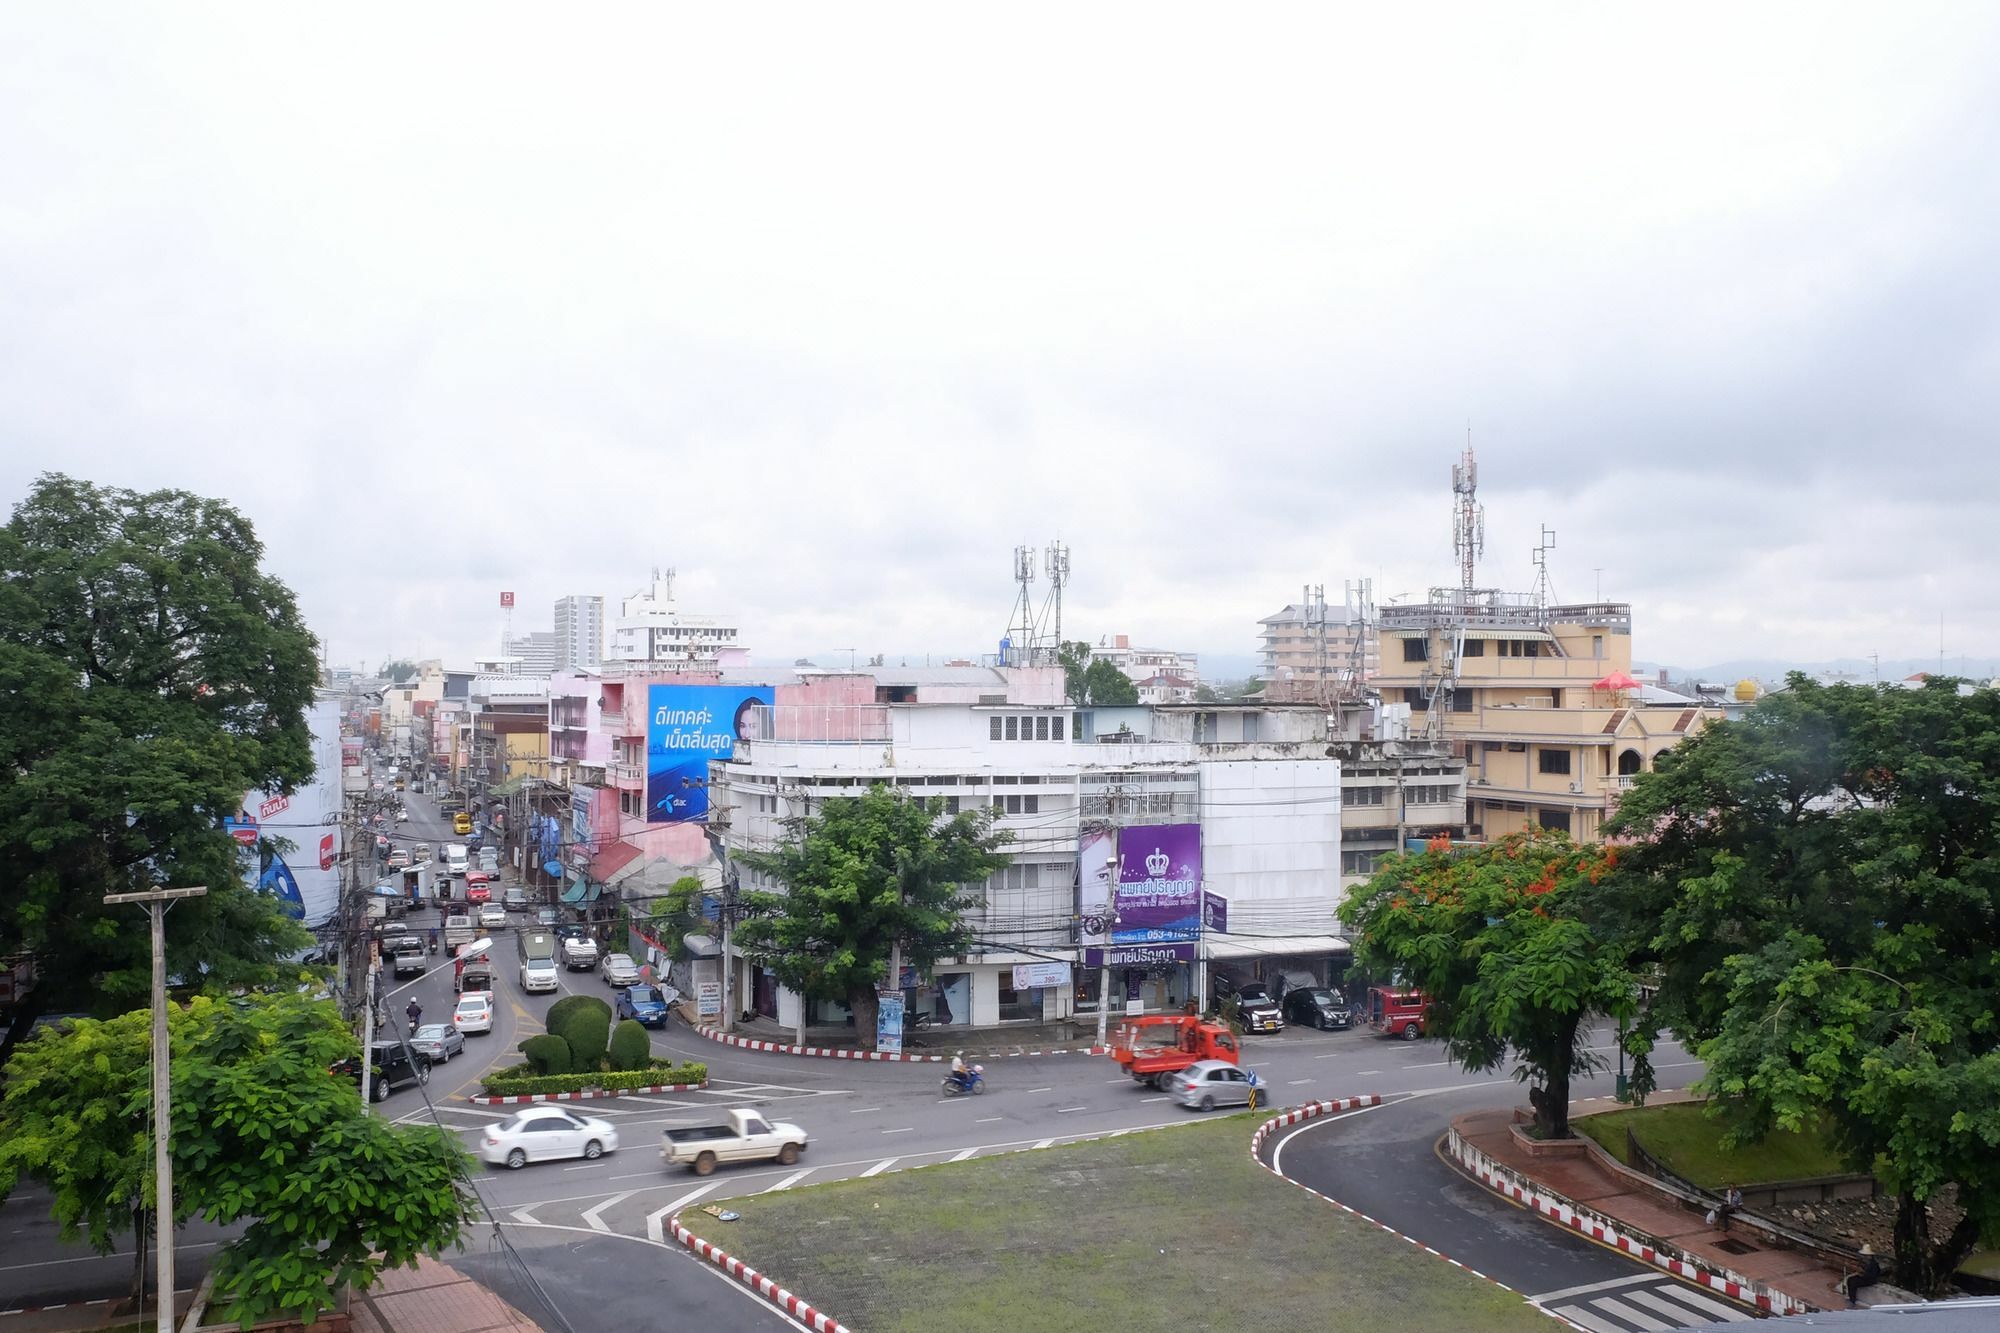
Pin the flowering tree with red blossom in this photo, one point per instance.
(1500, 941)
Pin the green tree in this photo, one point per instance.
(399, 670)
(864, 873)
(1497, 939)
(76, 1120)
(153, 675)
(1818, 885)
(1092, 680)
(675, 913)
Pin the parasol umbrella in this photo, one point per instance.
(1617, 680)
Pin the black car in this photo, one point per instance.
(1318, 1007)
(395, 1067)
(1255, 1008)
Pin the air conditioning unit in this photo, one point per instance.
(1576, 787)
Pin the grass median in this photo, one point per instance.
(1690, 1144)
(1177, 1228)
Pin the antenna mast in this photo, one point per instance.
(1468, 528)
(1544, 590)
(1055, 560)
(1021, 624)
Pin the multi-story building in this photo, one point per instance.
(579, 632)
(579, 748)
(510, 730)
(1539, 700)
(535, 653)
(1143, 664)
(1296, 660)
(1257, 783)
(652, 629)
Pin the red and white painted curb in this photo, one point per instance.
(795, 1306)
(1307, 1112)
(587, 1094)
(844, 1053)
(1572, 1216)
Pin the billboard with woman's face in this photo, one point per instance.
(686, 727)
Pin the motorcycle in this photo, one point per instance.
(973, 1081)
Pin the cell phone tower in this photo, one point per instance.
(1021, 624)
(1468, 525)
(1055, 563)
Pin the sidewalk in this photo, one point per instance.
(991, 1043)
(434, 1298)
(1571, 1171)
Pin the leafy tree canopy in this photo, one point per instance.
(1497, 938)
(399, 670)
(1818, 886)
(153, 675)
(1093, 680)
(864, 873)
(676, 913)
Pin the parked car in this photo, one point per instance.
(620, 971)
(438, 1042)
(1318, 1007)
(542, 1132)
(474, 1012)
(493, 914)
(1254, 1005)
(1207, 1084)
(646, 1004)
(515, 899)
(395, 1067)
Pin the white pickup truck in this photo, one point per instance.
(579, 953)
(748, 1137)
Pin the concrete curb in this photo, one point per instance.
(795, 1306)
(843, 1053)
(588, 1094)
(1572, 1216)
(1312, 1109)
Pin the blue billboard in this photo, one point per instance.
(686, 727)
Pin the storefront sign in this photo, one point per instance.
(1159, 884)
(708, 998)
(686, 727)
(1139, 955)
(273, 806)
(1214, 912)
(1034, 976)
(1097, 854)
(889, 1024)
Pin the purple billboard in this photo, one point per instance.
(1159, 884)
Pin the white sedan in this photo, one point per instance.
(620, 971)
(493, 914)
(542, 1132)
(474, 1012)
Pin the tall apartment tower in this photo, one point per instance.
(579, 633)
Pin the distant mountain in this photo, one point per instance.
(1772, 670)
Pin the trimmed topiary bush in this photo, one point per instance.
(560, 1011)
(630, 1047)
(587, 1031)
(547, 1054)
(519, 1079)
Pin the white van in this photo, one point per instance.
(455, 860)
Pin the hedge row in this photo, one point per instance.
(521, 1080)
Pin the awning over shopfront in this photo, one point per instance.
(583, 891)
(702, 946)
(616, 864)
(1274, 946)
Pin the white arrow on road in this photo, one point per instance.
(596, 1223)
(656, 1222)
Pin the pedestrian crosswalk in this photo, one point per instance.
(1641, 1303)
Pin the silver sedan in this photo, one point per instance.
(1207, 1084)
(440, 1041)
(620, 971)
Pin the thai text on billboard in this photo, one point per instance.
(686, 727)
(1159, 884)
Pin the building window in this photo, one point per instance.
(1475, 648)
(1597, 646)
(1554, 819)
(1416, 650)
(1416, 699)
(1056, 728)
(1461, 701)
(1489, 746)
(1013, 728)
(1553, 761)
(993, 725)
(1041, 728)
(1359, 863)
(1363, 795)
(951, 805)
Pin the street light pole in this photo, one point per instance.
(163, 1165)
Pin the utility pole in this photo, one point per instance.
(163, 1164)
(1104, 968)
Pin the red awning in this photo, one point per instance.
(607, 863)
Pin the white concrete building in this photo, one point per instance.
(1258, 782)
(579, 625)
(1143, 664)
(651, 628)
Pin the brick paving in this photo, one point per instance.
(434, 1298)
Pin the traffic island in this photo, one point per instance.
(518, 1084)
(1178, 1226)
(980, 1044)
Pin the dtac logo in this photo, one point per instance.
(1156, 864)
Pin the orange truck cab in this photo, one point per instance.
(1396, 1011)
(1152, 1050)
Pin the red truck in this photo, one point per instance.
(1152, 1050)
(1397, 1011)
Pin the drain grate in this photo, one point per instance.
(1728, 1246)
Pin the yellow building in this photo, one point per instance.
(1540, 701)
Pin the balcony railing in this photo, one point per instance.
(626, 775)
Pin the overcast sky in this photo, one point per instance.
(831, 311)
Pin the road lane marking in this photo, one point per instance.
(1065, 1110)
(1334, 1056)
(1368, 1073)
(1295, 1082)
(790, 1180)
(1633, 1317)
(963, 1153)
(523, 1215)
(656, 1221)
(1152, 1099)
(988, 1119)
(863, 1110)
(1587, 1287)
(906, 1129)
(880, 1167)
(1035, 1090)
(596, 1223)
